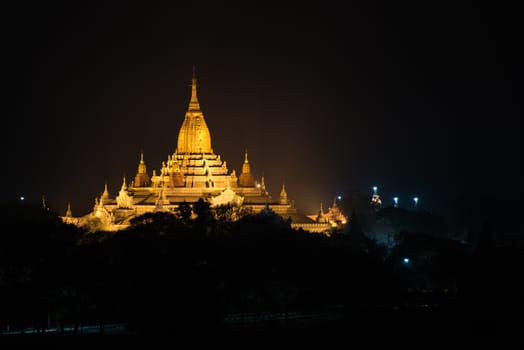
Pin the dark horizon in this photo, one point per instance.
(419, 100)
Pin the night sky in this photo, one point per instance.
(418, 99)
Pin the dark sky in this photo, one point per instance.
(418, 99)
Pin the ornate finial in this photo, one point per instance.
(142, 165)
(283, 195)
(321, 215)
(68, 212)
(246, 168)
(106, 192)
(124, 186)
(193, 103)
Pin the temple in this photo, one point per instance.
(193, 171)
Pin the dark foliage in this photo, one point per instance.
(168, 274)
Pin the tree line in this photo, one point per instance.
(188, 270)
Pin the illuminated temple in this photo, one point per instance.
(193, 171)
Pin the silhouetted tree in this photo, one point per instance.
(204, 215)
(184, 212)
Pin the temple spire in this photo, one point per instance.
(68, 212)
(105, 194)
(193, 103)
(142, 165)
(194, 136)
(246, 179)
(321, 217)
(246, 168)
(263, 183)
(283, 195)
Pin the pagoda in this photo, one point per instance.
(192, 172)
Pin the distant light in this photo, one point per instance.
(405, 260)
(22, 198)
(415, 199)
(375, 189)
(258, 185)
(395, 199)
(339, 197)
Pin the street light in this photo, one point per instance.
(395, 200)
(375, 189)
(415, 199)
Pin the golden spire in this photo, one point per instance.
(142, 165)
(194, 136)
(193, 103)
(321, 217)
(68, 212)
(246, 179)
(106, 192)
(263, 183)
(283, 195)
(246, 169)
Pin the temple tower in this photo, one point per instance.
(141, 178)
(246, 179)
(194, 136)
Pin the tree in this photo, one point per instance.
(184, 212)
(204, 215)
